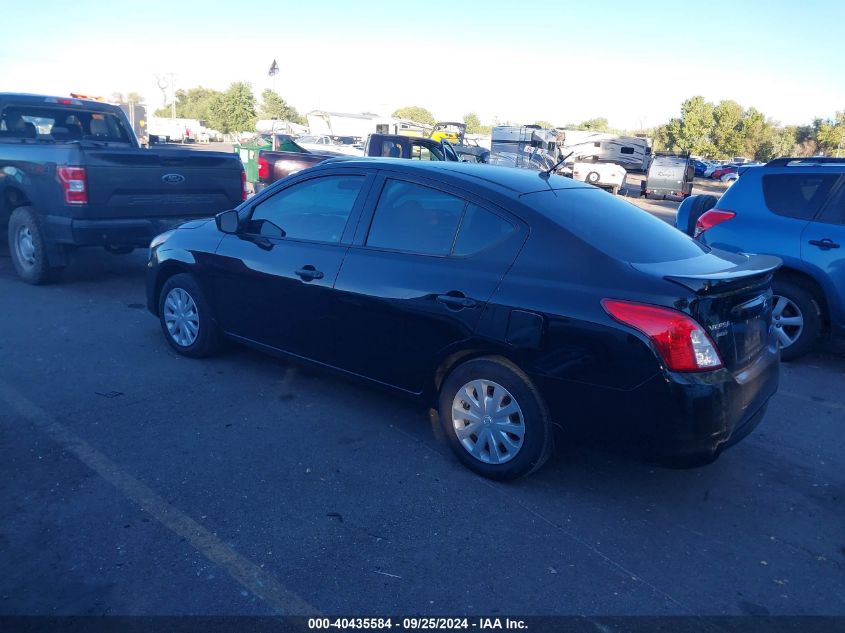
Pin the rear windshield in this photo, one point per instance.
(58, 124)
(614, 226)
(797, 195)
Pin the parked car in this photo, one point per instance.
(513, 300)
(717, 174)
(793, 208)
(273, 166)
(668, 175)
(700, 167)
(605, 175)
(73, 174)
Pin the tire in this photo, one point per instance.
(120, 250)
(506, 383)
(28, 248)
(197, 341)
(800, 303)
(694, 207)
(593, 177)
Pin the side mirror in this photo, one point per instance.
(228, 221)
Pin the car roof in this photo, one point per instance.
(513, 179)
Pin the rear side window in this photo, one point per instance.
(415, 219)
(613, 226)
(797, 195)
(57, 124)
(480, 229)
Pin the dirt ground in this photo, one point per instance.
(665, 209)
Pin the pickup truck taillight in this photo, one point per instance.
(263, 169)
(710, 219)
(73, 183)
(244, 189)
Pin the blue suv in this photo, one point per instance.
(793, 208)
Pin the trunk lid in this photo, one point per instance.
(732, 299)
(132, 183)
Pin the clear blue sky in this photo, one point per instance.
(562, 61)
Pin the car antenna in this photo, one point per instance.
(548, 172)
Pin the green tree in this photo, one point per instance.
(474, 125)
(274, 107)
(134, 98)
(599, 124)
(194, 103)
(831, 135)
(726, 135)
(692, 131)
(546, 125)
(416, 114)
(755, 131)
(233, 110)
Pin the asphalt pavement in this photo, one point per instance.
(135, 482)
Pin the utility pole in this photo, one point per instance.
(172, 98)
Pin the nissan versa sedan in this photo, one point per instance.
(517, 302)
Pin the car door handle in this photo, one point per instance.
(309, 273)
(459, 302)
(824, 244)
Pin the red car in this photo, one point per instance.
(725, 169)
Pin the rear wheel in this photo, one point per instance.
(186, 318)
(795, 317)
(28, 248)
(495, 419)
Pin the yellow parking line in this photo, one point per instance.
(252, 577)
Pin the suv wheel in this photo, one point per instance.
(796, 319)
(495, 419)
(29, 249)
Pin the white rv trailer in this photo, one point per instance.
(631, 152)
(525, 146)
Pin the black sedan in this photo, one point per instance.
(515, 301)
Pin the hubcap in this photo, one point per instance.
(25, 247)
(788, 321)
(488, 421)
(181, 317)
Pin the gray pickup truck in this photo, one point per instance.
(72, 174)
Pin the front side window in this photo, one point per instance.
(797, 195)
(415, 219)
(316, 210)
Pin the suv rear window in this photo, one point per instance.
(797, 195)
(613, 226)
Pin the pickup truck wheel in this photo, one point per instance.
(186, 318)
(28, 248)
(593, 177)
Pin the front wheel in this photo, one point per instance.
(495, 420)
(186, 318)
(795, 317)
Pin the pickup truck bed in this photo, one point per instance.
(73, 175)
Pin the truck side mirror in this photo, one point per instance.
(228, 221)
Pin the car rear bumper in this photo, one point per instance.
(689, 417)
(134, 232)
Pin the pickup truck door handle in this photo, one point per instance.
(824, 244)
(456, 301)
(309, 273)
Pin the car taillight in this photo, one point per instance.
(681, 341)
(244, 189)
(73, 184)
(710, 219)
(263, 168)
